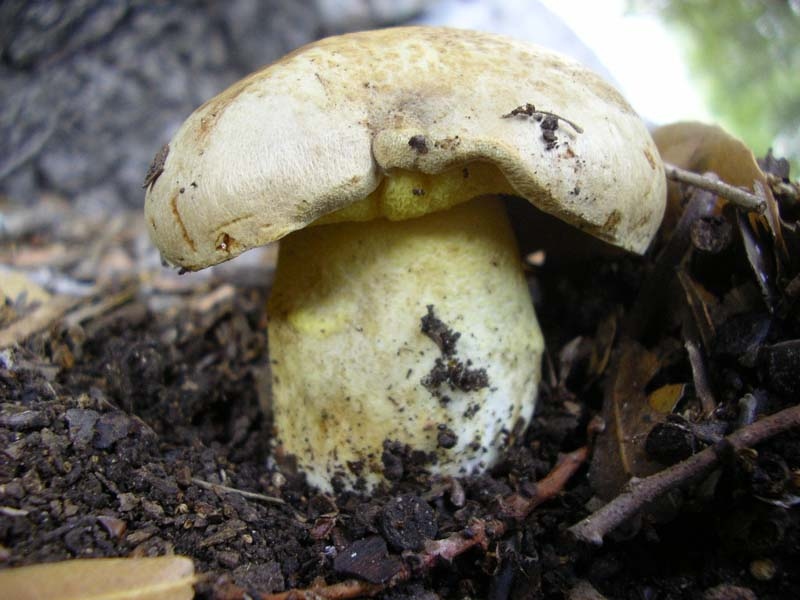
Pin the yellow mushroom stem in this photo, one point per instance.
(417, 333)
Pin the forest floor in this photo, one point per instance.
(130, 425)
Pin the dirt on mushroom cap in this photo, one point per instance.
(321, 128)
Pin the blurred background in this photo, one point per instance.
(91, 89)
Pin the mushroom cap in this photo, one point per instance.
(320, 129)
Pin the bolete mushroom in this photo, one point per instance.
(399, 316)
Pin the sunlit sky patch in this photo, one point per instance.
(638, 52)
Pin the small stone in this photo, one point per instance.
(111, 428)
(127, 501)
(446, 437)
(183, 476)
(12, 489)
(265, 577)
(669, 443)
(763, 569)
(32, 482)
(81, 425)
(140, 535)
(406, 522)
(367, 559)
(16, 450)
(115, 527)
(725, 591)
(199, 522)
(70, 509)
(25, 420)
(152, 509)
(228, 559)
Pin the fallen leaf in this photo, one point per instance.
(159, 578)
(701, 148)
(666, 398)
(761, 262)
(603, 345)
(702, 304)
(619, 451)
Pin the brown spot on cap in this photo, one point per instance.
(156, 167)
(612, 221)
(418, 143)
(176, 213)
(648, 155)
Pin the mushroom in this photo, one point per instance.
(400, 321)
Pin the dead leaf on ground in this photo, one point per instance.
(761, 262)
(604, 339)
(701, 148)
(702, 304)
(664, 399)
(619, 451)
(160, 578)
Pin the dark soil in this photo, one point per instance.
(117, 432)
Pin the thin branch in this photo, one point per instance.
(642, 491)
(519, 507)
(700, 377)
(39, 319)
(216, 487)
(479, 532)
(737, 196)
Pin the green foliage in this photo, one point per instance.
(746, 56)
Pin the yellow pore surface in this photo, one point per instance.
(409, 194)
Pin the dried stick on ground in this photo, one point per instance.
(41, 318)
(739, 197)
(479, 532)
(594, 527)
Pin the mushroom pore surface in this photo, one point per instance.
(418, 332)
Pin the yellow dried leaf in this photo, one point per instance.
(666, 398)
(16, 283)
(159, 578)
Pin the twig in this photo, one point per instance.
(519, 507)
(702, 386)
(738, 196)
(92, 311)
(41, 318)
(216, 487)
(642, 491)
(529, 110)
(479, 532)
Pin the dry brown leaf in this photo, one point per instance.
(619, 451)
(701, 148)
(702, 304)
(666, 398)
(160, 578)
(603, 345)
(761, 263)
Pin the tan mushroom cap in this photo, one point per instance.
(319, 129)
